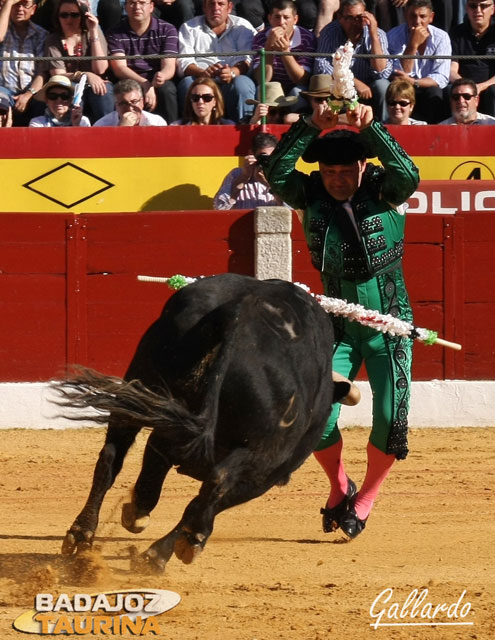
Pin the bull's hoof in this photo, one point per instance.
(188, 546)
(148, 563)
(77, 541)
(134, 520)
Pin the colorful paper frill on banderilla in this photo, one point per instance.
(343, 91)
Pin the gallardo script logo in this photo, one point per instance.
(417, 610)
(112, 613)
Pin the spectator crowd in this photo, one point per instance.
(197, 62)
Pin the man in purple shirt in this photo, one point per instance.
(284, 35)
(142, 34)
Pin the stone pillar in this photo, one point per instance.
(273, 247)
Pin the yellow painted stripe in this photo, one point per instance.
(151, 184)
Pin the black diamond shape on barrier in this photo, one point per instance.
(62, 169)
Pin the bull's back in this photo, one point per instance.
(257, 354)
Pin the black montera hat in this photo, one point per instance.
(337, 147)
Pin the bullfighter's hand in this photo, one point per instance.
(360, 117)
(323, 117)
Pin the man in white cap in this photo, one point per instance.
(58, 94)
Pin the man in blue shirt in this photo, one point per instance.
(429, 76)
(371, 75)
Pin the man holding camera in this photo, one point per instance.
(359, 26)
(247, 187)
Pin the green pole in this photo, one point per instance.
(263, 83)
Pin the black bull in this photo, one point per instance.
(235, 381)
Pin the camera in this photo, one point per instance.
(261, 156)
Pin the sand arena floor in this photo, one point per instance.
(268, 572)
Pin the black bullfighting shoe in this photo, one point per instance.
(350, 524)
(332, 516)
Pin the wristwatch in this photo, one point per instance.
(31, 90)
(233, 75)
(416, 84)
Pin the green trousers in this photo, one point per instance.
(388, 365)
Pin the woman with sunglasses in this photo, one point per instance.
(58, 93)
(77, 34)
(401, 98)
(204, 104)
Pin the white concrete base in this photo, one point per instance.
(437, 403)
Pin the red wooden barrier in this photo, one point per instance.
(69, 293)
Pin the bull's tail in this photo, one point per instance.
(92, 396)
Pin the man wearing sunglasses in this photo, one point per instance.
(476, 37)
(464, 100)
(19, 36)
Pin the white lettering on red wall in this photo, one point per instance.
(451, 196)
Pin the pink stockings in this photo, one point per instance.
(379, 465)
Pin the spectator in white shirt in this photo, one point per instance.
(217, 32)
(129, 108)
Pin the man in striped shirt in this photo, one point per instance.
(140, 33)
(284, 35)
(371, 75)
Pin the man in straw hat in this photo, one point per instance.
(276, 106)
(58, 94)
(354, 225)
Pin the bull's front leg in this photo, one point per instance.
(81, 534)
